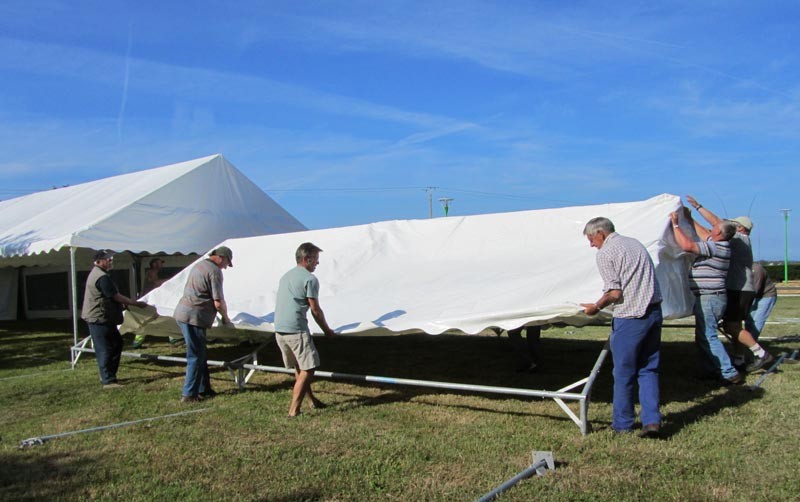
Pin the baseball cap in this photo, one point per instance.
(103, 254)
(744, 221)
(225, 252)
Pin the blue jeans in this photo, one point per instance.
(759, 312)
(635, 346)
(107, 343)
(197, 378)
(708, 310)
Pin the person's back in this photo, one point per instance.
(291, 302)
(740, 274)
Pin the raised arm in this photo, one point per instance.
(683, 240)
(710, 217)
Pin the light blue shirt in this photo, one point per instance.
(291, 303)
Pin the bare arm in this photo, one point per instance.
(683, 240)
(710, 217)
(609, 297)
(319, 316)
(222, 308)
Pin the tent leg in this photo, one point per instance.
(586, 427)
(74, 282)
(78, 349)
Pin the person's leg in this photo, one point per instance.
(649, 362)
(713, 307)
(759, 313)
(193, 346)
(115, 344)
(624, 343)
(102, 351)
(520, 349)
(301, 385)
(708, 361)
(534, 337)
(138, 341)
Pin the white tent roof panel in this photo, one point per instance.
(457, 273)
(181, 208)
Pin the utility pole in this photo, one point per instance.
(430, 191)
(446, 204)
(786, 244)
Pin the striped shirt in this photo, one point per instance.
(710, 268)
(624, 264)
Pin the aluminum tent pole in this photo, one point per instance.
(74, 279)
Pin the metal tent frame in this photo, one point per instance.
(243, 368)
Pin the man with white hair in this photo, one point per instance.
(630, 285)
(707, 279)
(740, 288)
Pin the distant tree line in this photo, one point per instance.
(775, 271)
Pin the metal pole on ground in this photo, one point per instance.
(35, 441)
(543, 461)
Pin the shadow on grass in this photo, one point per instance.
(479, 360)
(29, 476)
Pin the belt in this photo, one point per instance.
(713, 293)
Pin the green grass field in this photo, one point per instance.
(388, 442)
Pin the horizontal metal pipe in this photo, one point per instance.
(427, 383)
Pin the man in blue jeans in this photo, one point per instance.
(195, 312)
(629, 283)
(707, 280)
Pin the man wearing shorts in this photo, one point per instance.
(298, 292)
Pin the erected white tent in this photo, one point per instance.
(458, 274)
(182, 208)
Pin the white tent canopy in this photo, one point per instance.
(181, 208)
(460, 274)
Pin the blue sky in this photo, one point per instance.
(345, 111)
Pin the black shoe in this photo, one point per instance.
(190, 399)
(650, 431)
(208, 394)
(761, 363)
(736, 379)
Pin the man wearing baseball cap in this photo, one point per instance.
(102, 311)
(740, 290)
(196, 312)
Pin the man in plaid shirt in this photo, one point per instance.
(630, 285)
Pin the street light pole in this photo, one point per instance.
(430, 200)
(446, 204)
(786, 245)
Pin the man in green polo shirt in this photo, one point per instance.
(298, 292)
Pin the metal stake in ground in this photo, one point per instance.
(35, 441)
(542, 462)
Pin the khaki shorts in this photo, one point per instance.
(298, 350)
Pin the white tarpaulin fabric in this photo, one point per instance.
(460, 274)
(181, 208)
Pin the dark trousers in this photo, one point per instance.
(107, 344)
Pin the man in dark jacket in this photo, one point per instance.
(102, 311)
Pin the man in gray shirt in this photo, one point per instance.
(298, 292)
(195, 312)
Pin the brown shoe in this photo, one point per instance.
(190, 399)
(650, 431)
